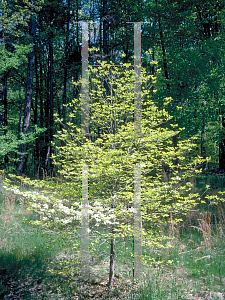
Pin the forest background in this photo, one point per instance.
(41, 58)
(41, 70)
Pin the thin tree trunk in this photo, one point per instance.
(75, 89)
(126, 43)
(37, 90)
(203, 137)
(47, 110)
(203, 140)
(1, 106)
(105, 35)
(58, 106)
(4, 103)
(100, 31)
(20, 125)
(166, 73)
(4, 108)
(41, 95)
(222, 156)
(176, 161)
(222, 148)
(51, 93)
(164, 55)
(4, 99)
(3, 88)
(42, 114)
(112, 259)
(77, 20)
(28, 98)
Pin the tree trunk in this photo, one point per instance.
(4, 107)
(41, 95)
(104, 16)
(165, 67)
(4, 112)
(112, 259)
(176, 161)
(203, 141)
(222, 148)
(28, 98)
(3, 98)
(20, 125)
(37, 141)
(51, 92)
(222, 156)
(100, 31)
(47, 110)
(42, 115)
(203, 136)
(77, 20)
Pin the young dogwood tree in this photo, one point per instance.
(111, 153)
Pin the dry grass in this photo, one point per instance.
(205, 227)
(7, 213)
(6, 216)
(221, 225)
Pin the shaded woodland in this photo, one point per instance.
(41, 58)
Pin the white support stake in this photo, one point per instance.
(137, 169)
(85, 257)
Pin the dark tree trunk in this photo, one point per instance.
(21, 114)
(42, 116)
(4, 106)
(126, 43)
(28, 98)
(105, 35)
(203, 136)
(47, 110)
(1, 106)
(222, 156)
(112, 259)
(4, 112)
(165, 67)
(41, 94)
(77, 20)
(50, 150)
(176, 161)
(222, 150)
(20, 125)
(3, 99)
(100, 31)
(37, 91)
(203, 141)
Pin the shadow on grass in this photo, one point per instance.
(27, 278)
(26, 254)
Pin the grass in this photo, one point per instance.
(196, 269)
(25, 256)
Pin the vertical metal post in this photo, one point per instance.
(137, 169)
(85, 257)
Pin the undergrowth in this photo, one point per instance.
(192, 268)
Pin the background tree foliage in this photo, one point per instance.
(185, 38)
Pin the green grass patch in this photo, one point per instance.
(26, 253)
